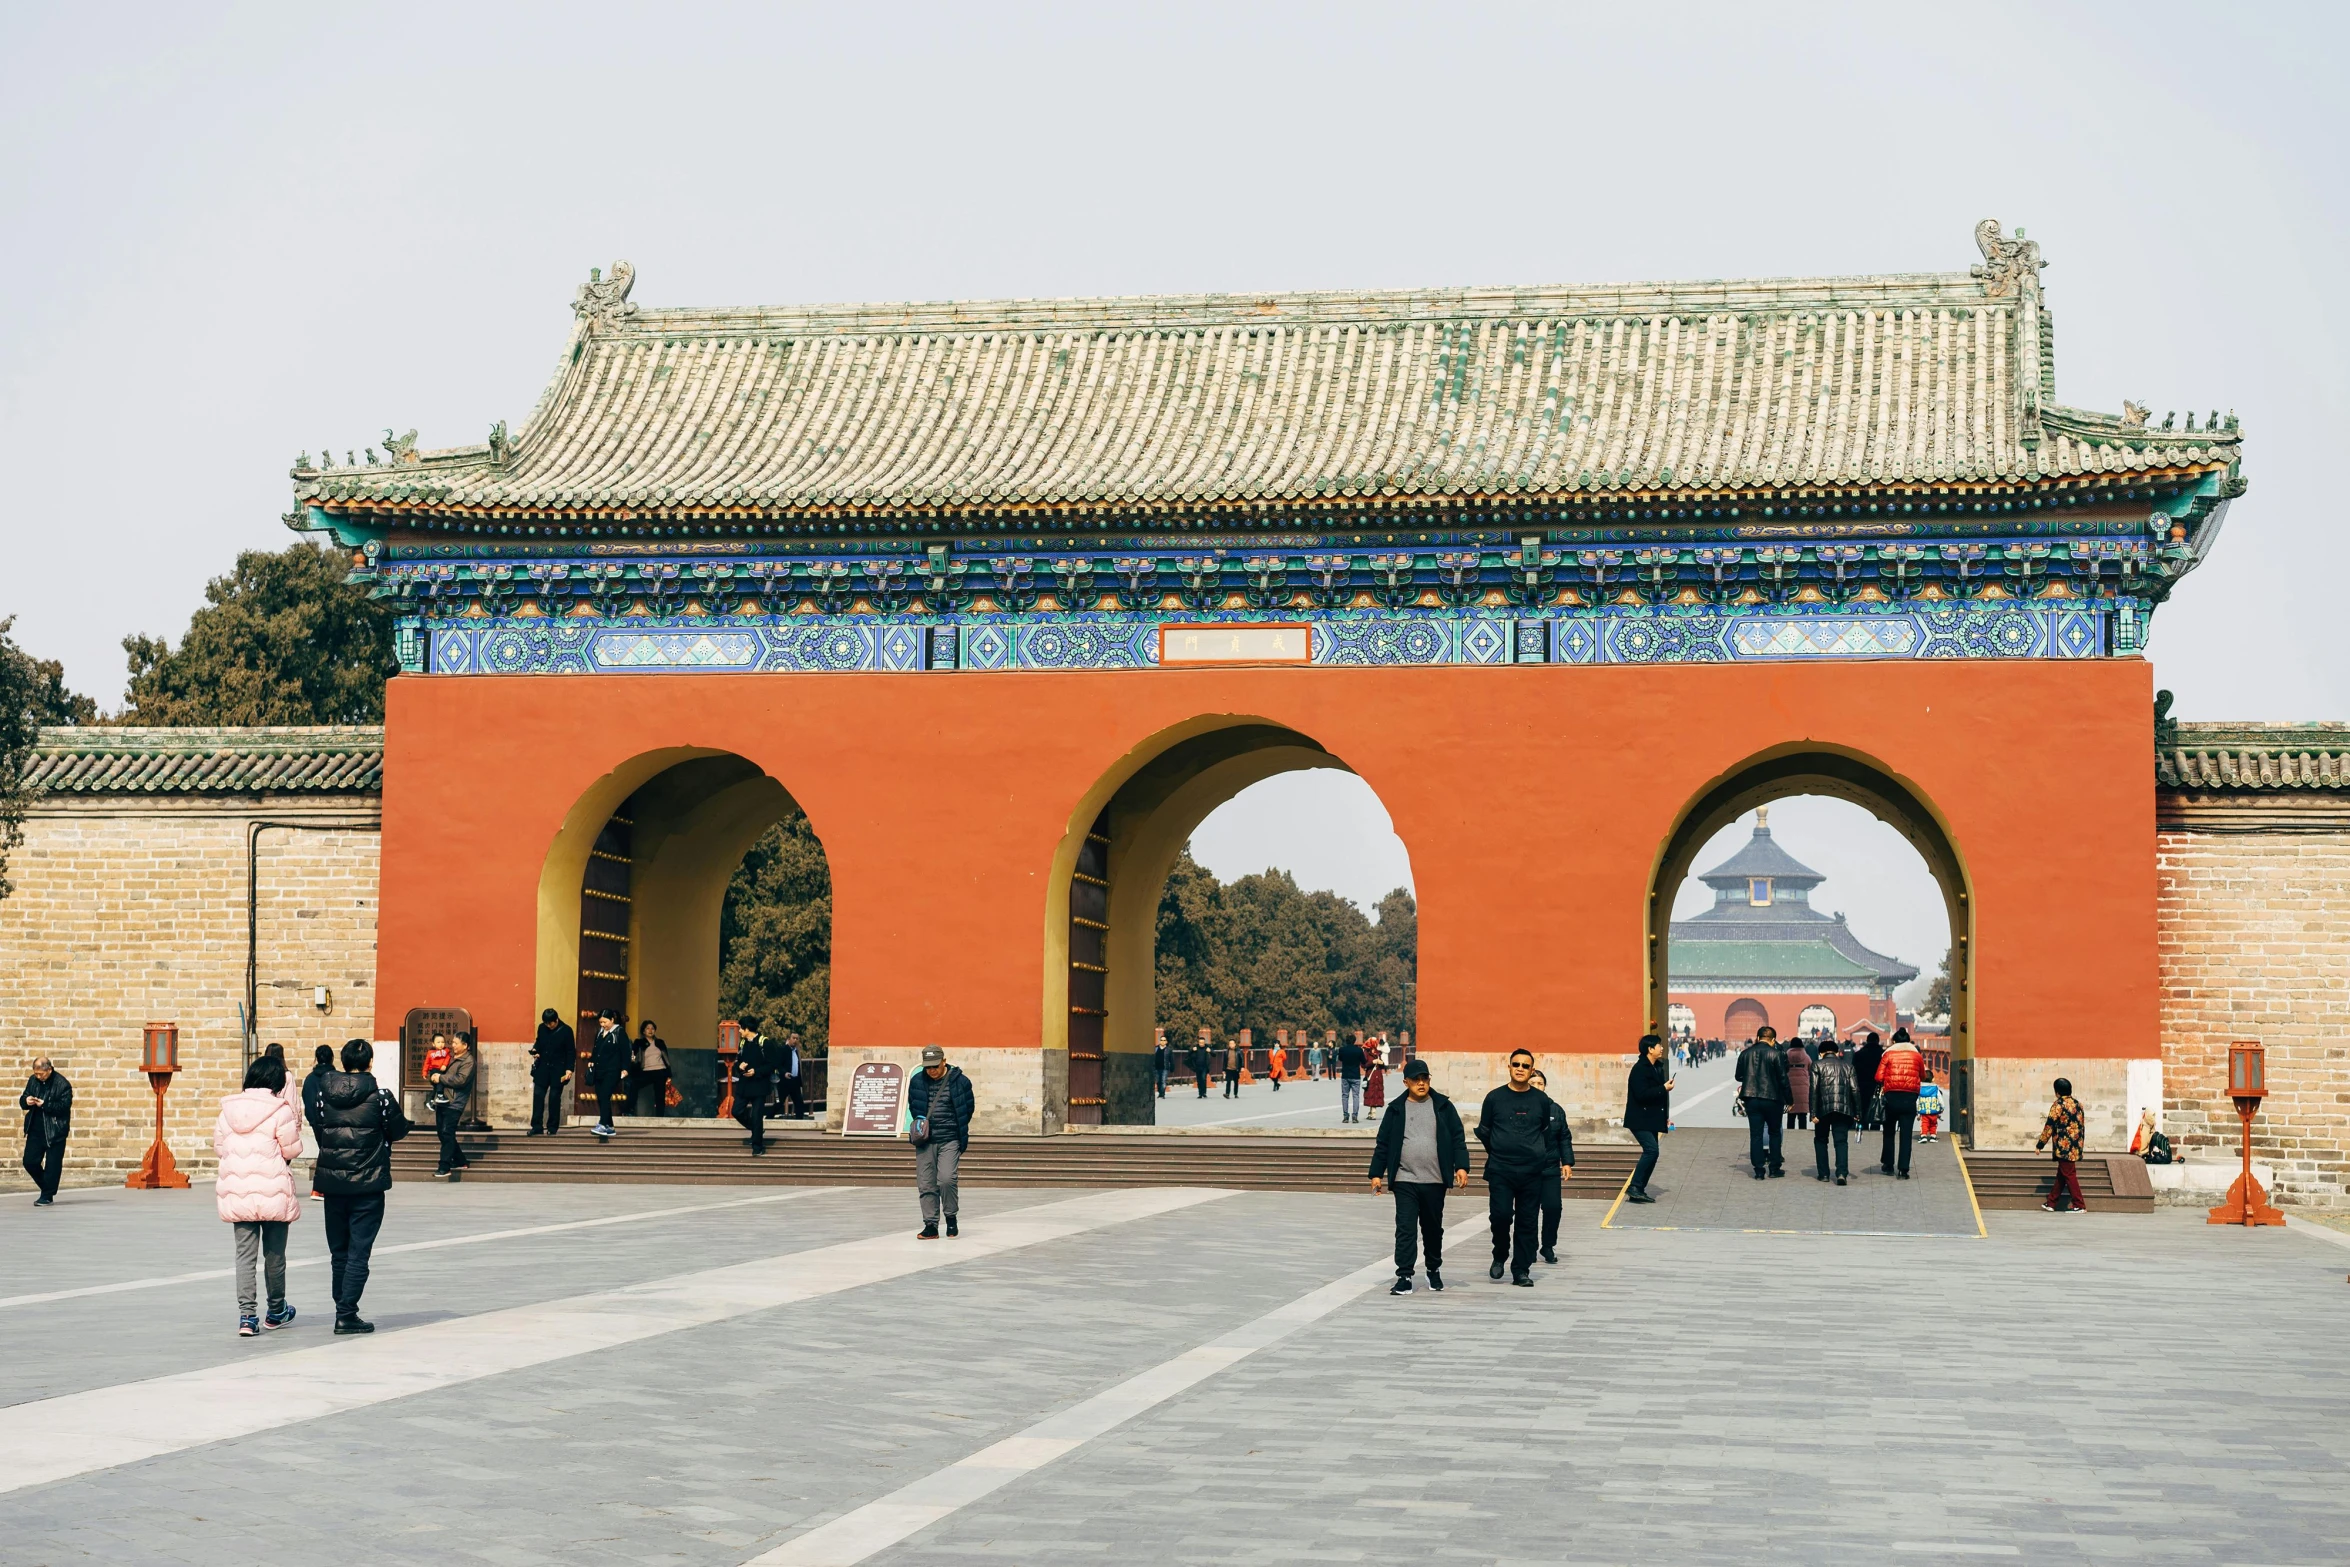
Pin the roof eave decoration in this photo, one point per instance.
(2224, 758)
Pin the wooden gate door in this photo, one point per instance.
(1089, 973)
(603, 945)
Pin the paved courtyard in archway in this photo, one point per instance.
(713, 1376)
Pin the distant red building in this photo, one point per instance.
(1763, 954)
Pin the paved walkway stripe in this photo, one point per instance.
(1966, 1175)
(58, 1438)
(433, 1245)
(856, 1535)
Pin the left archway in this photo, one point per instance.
(632, 891)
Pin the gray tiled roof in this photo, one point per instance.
(343, 759)
(1331, 397)
(2230, 757)
(1761, 855)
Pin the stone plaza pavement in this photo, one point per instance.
(2098, 1388)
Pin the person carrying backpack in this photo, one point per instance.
(358, 1121)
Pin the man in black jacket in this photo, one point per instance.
(606, 1067)
(751, 1076)
(1162, 1062)
(941, 1104)
(1762, 1083)
(1555, 1174)
(1350, 1080)
(1864, 1080)
(1199, 1060)
(1420, 1151)
(787, 1064)
(1834, 1096)
(1514, 1127)
(553, 1056)
(47, 1103)
(357, 1124)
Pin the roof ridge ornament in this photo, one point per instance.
(602, 299)
(2010, 268)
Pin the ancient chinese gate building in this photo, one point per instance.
(1008, 597)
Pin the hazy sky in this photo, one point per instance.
(238, 232)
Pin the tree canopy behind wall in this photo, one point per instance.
(32, 695)
(1258, 953)
(282, 639)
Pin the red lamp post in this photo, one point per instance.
(730, 1048)
(2247, 1201)
(159, 1057)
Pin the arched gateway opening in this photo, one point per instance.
(1102, 904)
(631, 898)
(1857, 780)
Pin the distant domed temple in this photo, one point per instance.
(1763, 954)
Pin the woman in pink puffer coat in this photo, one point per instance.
(257, 1133)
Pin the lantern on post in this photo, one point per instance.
(730, 1049)
(159, 1058)
(2247, 1201)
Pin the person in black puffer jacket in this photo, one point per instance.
(1515, 1129)
(941, 1104)
(357, 1124)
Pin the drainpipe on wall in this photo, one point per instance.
(253, 832)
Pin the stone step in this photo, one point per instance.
(2112, 1183)
(801, 1157)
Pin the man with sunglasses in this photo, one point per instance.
(1515, 1129)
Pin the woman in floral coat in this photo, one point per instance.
(2062, 1135)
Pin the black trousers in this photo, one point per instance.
(1840, 1128)
(793, 1103)
(44, 1161)
(753, 1115)
(1514, 1203)
(452, 1156)
(1232, 1082)
(605, 1100)
(1901, 1113)
(1419, 1224)
(1766, 1134)
(1553, 1208)
(653, 1089)
(546, 1103)
(351, 1225)
(1647, 1165)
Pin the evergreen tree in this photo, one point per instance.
(283, 639)
(1937, 1001)
(775, 936)
(33, 695)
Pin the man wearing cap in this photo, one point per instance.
(1421, 1149)
(941, 1103)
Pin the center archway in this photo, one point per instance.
(1102, 905)
(1811, 769)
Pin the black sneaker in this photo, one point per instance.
(1775, 1174)
(1436, 1281)
(1839, 1180)
(353, 1325)
(929, 1233)
(1550, 1255)
(1638, 1197)
(1402, 1285)
(952, 1231)
(1498, 1268)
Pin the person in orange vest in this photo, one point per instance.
(1900, 1073)
(1277, 1065)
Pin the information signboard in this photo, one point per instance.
(876, 1100)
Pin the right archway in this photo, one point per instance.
(1811, 769)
